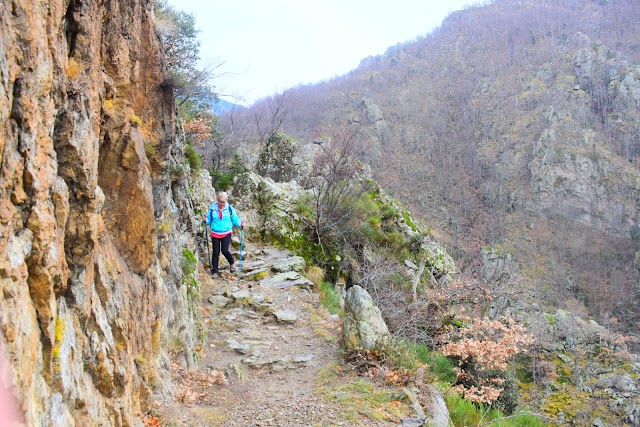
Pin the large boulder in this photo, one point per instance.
(269, 207)
(278, 159)
(363, 326)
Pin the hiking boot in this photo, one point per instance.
(232, 268)
(215, 275)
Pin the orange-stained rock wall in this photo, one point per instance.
(89, 280)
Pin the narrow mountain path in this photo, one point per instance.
(271, 356)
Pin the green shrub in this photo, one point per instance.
(192, 156)
(374, 221)
(388, 212)
(439, 365)
(395, 242)
(408, 220)
(508, 400)
(399, 280)
(465, 413)
(223, 178)
(365, 208)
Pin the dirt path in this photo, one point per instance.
(271, 356)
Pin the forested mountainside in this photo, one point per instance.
(515, 125)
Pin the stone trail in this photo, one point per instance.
(269, 347)
(262, 336)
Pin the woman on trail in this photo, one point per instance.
(222, 217)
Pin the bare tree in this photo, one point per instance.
(339, 183)
(268, 116)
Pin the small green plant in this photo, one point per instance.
(239, 371)
(366, 208)
(400, 355)
(192, 156)
(150, 150)
(374, 221)
(388, 212)
(193, 293)
(409, 220)
(188, 262)
(329, 297)
(303, 206)
(135, 121)
(176, 172)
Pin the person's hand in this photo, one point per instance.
(243, 223)
(204, 218)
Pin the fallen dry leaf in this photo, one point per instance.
(218, 377)
(151, 421)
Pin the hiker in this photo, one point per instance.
(222, 217)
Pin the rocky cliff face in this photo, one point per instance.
(575, 173)
(89, 273)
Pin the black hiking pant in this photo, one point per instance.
(220, 245)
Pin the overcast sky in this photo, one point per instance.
(271, 45)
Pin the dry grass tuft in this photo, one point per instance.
(73, 69)
(315, 274)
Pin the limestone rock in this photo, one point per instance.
(286, 316)
(497, 265)
(436, 409)
(410, 264)
(242, 348)
(412, 422)
(374, 116)
(623, 383)
(574, 330)
(294, 263)
(304, 358)
(363, 327)
(286, 280)
(219, 301)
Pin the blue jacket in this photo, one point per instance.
(229, 218)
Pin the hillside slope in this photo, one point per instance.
(517, 125)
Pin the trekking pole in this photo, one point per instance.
(206, 242)
(241, 246)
